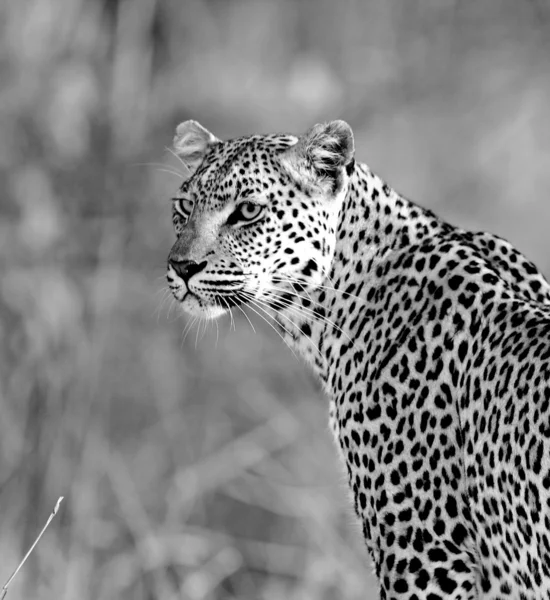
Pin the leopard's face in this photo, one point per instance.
(257, 216)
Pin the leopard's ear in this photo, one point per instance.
(323, 154)
(191, 143)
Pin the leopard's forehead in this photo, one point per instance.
(238, 168)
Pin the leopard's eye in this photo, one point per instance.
(186, 206)
(246, 211)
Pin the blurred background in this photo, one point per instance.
(200, 466)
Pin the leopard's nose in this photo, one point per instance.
(186, 268)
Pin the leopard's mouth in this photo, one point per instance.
(212, 305)
(207, 297)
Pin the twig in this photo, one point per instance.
(50, 518)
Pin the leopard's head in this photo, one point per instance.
(256, 215)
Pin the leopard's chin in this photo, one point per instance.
(195, 306)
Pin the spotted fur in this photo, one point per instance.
(432, 343)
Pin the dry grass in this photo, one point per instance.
(9, 580)
(203, 468)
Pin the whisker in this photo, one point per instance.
(172, 303)
(161, 167)
(232, 318)
(302, 282)
(197, 334)
(280, 314)
(232, 322)
(253, 301)
(166, 295)
(217, 325)
(305, 308)
(170, 172)
(299, 308)
(205, 329)
(180, 160)
(305, 284)
(293, 292)
(309, 339)
(335, 289)
(246, 316)
(187, 329)
(294, 281)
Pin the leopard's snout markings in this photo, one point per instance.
(432, 342)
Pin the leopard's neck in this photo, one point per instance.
(375, 222)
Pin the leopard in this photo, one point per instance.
(432, 343)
